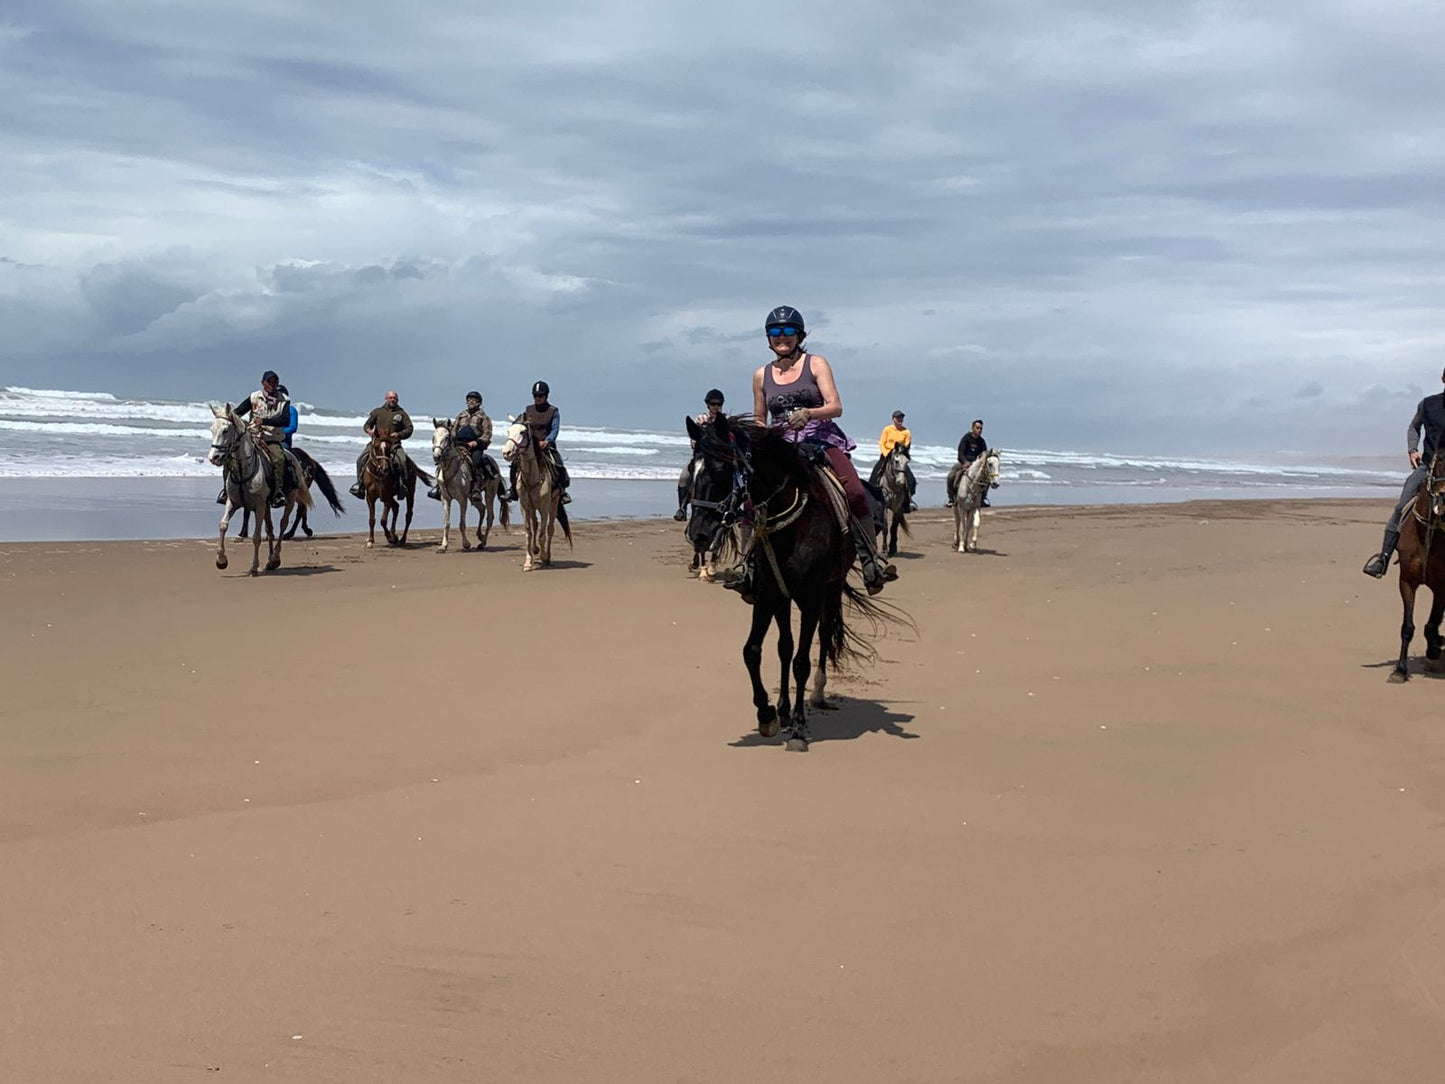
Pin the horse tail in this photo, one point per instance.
(842, 642)
(566, 524)
(423, 475)
(506, 513)
(322, 480)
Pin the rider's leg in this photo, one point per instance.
(511, 494)
(1379, 564)
(356, 490)
(564, 480)
(277, 456)
(912, 488)
(684, 489)
(954, 473)
(876, 477)
(875, 572)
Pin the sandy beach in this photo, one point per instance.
(1135, 803)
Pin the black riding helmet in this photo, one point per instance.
(713, 396)
(786, 316)
(474, 395)
(270, 375)
(541, 388)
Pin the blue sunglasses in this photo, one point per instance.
(780, 332)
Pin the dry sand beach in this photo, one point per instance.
(1134, 804)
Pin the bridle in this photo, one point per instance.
(976, 486)
(230, 453)
(766, 522)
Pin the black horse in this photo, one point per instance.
(800, 554)
(311, 471)
(712, 530)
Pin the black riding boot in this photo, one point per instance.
(511, 494)
(681, 514)
(875, 571)
(221, 496)
(435, 492)
(1379, 564)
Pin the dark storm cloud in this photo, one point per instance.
(1122, 224)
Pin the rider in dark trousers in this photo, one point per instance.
(1430, 419)
(545, 422)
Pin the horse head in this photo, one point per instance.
(519, 437)
(226, 430)
(1436, 489)
(990, 465)
(442, 438)
(898, 462)
(717, 481)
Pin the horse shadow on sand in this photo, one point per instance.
(1418, 668)
(848, 719)
(296, 570)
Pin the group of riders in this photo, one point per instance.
(272, 419)
(795, 391)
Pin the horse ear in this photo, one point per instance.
(215, 411)
(437, 423)
(227, 412)
(720, 425)
(511, 419)
(693, 429)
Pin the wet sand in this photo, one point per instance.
(1134, 804)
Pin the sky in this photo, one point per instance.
(1134, 226)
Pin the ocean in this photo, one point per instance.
(92, 465)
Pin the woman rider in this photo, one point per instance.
(796, 390)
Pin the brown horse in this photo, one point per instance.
(380, 481)
(1422, 563)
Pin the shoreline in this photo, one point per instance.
(120, 509)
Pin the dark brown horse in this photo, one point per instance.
(1422, 563)
(800, 554)
(381, 482)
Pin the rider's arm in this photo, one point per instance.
(484, 433)
(760, 403)
(292, 421)
(555, 428)
(1412, 438)
(884, 444)
(406, 429)
(369, 426)
(243, 407)
(832, 405)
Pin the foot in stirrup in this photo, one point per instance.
(680, 515)
(278, 500)
(949, 503)
(912, 507)
(435, 492)
(357, 492)
(566, 498)
(1377, 565)
(739, 580)
(221, 496)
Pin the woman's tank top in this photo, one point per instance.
(783, 399)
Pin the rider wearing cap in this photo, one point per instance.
(796, 391)
(472, 431)
(269, 413)
(545, 422)
(387, 418)
(713, 400)
(1429, 418)
(893, 435)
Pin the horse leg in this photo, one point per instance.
(1407, 629)
(447, 517)
(832, 612)
(245, 531)
(753, 660)
(462, 521)
(256, 538)
(1433, 640)
(410, 507)
(802, 666)
(974, 516)
(230, 510)
(273, 541)
(371, 521)
(783, 618)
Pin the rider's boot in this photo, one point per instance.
(356, 490)
(876, 572)
(1379, 564)
(739, 579)
(681, 514)
(221, 496)
(435, 492)
(566, 498)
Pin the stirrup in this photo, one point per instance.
(566, 498)
(1377, 565)
(680, 515)
(435, 493)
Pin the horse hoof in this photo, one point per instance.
(370, 544)
(221, 562)
(1399, 677)
(253, 572)
(797, 745)
(768, 725)
(309, 531)
(1435, 666)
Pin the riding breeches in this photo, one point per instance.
(1412, 487)
(843, 467)
(277, 455)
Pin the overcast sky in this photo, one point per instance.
(1143, 226)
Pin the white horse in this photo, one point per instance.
(454, 478)
(981, 473)
(235, 450)
(540, 498)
